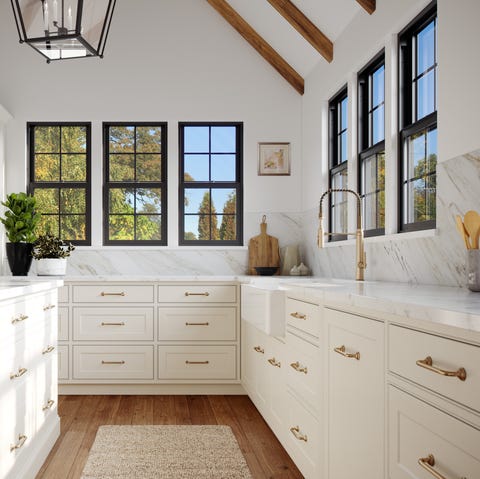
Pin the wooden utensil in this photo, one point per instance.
(471, 221)
(263, 249)
(461, 230)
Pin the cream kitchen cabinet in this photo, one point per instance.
(28, 389)
(434, 405)
(264, 376)
(150, 336)
(304, 378)
(355, 404)
(281, 376)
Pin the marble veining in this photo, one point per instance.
(438, 259)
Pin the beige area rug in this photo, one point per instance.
(141, 452)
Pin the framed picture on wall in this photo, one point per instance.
(274, 159)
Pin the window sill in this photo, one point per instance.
(156, 247)
(410, 235)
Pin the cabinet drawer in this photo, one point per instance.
(304, 372)
(304, 316)
(62, 359)
(197, 324)
(197, 293)
(408, 346)
(112, 362)
(113, 324)
(113, 293)
(63, 323)
(418, 430)
(303, 439)
(197, 362)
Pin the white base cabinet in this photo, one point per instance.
(29, 423)
(356, 405)
(149, 334)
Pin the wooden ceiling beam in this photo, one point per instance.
(305, 27)
(260, 45)
(368, 5)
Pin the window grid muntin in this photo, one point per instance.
(85, 185)
(135, 185)
(367, 148)
(211, 185)
(337, 166)
(407, 106)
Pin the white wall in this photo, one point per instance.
(458, 86)
(432, 257)
(174, 60)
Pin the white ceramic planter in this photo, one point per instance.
(51, 266)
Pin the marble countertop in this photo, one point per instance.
(451, 306)
(14, 287)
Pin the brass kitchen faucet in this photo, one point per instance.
(361, 255)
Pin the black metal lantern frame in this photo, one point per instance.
(64, 29)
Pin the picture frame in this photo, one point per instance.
(274, 159)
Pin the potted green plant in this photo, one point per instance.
(20, 221)
(51, 253)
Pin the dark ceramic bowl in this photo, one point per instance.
(266, 270)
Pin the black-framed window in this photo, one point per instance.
(338, 159)
(135, 183)
(418, 121)
(210, 186)
(371, 144)
(59, 178)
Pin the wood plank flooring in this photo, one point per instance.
(82, 415)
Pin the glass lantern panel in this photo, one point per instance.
(93, 20)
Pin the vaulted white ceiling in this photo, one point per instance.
(330, 16)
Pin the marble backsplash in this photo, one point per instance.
(437, 258)
(172, 261)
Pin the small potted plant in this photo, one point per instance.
(51, 253)
(20, 221)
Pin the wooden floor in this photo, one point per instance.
(82, 415)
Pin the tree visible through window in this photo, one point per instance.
(210, 183)
(418, 121)
(135, 183)
(371, 143)
(338, 155)
(59, 159)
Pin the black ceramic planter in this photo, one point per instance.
(19, 257)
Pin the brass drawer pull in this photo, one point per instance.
(298, 315)
(296, 432)
(113, 362)
(49, 404)
(197, 324)
(20, 373)
(48, 350)
(187, 293)
(122, 293)
(197, 362)
(48, 307)
(21, 441)
(341, 350)
(427, 463)
(113, 324)
(274, 362)
(300, 369)
(259, 349)
(19, 318)
(427, 363)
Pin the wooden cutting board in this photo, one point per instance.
(263, 250)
